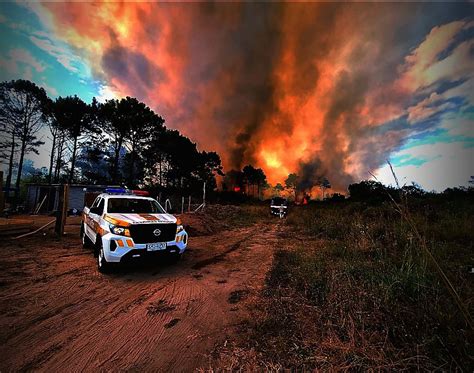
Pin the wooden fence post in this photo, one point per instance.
(2, 196)
(204, 196)
(62, 210)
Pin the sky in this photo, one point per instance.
(318, 89)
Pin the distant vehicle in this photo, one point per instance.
(121, 226)
(279, 207)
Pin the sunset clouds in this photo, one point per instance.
(332, 88)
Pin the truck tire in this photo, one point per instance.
(174, 258)
(102, 265)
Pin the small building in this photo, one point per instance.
(44, 198)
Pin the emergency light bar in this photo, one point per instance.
(116, 191)
(142, 193)
(136, 192)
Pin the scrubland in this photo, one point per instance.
(355, 285)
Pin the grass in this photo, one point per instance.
(356, 290)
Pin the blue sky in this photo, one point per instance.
(22, 32)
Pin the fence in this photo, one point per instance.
(178, 204)
(44, 199)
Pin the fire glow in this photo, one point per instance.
(286, 87)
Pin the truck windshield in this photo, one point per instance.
(134, 206)
(278, 202)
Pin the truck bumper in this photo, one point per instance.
(118, 249)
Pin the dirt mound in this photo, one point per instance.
(211, 220)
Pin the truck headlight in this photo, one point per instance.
(121, 231)
(179, 228)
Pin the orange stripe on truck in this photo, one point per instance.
(114, 221)
(148, 217)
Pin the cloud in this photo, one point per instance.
(28, 73)
(51, 90)
(403, 160)
(106, 93)
(428, 107)
(426, 66)
(24, 56)
(444, 76)
(458, 125)
(449, 164)
(8, 65)
(21, 57)
(62, 55)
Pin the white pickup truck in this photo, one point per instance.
(121, 226)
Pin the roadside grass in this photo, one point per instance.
(355, 290)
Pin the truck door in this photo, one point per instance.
(93, 218)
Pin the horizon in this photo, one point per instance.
(310, 89)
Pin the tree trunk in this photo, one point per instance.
(132, 164)
(51, 159)
(116, 161)
(160, 172)
(8, 181)
(20, 167)
(59, 152)
(24, 137)
(73, 162)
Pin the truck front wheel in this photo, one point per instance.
(102, 264)
(86, 242)
(174, 258)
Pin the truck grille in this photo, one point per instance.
(143, 233)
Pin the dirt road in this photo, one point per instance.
(59, 313)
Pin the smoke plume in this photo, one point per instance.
(320, 89)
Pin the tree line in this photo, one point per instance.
(250, 180)
(119, 141)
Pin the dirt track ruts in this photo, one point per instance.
(59, 313)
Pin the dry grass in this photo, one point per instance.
(354, 289)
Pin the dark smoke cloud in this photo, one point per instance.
(249, 53)
(310, 174)
(132, 67)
